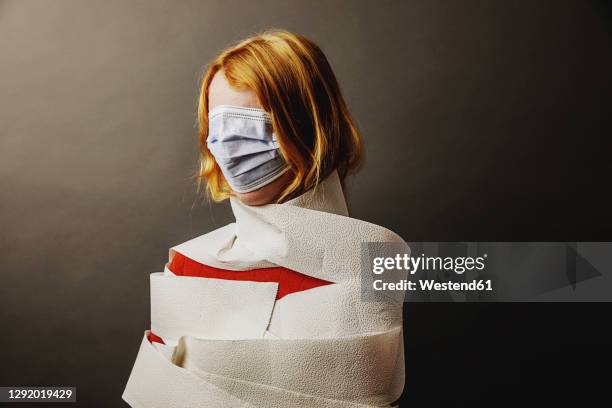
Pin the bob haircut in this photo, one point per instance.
(295, 84)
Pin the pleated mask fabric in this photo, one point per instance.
(244, 146)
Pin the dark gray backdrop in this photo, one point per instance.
(483, 120)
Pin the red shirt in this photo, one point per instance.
(288, 281)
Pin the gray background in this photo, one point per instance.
(483, 120)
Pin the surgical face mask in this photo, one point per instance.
(244, 147)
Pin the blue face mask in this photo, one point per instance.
(244, 147)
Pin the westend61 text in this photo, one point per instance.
(429, 285)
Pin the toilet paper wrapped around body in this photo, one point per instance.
(233, 344)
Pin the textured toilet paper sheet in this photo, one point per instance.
(156, 382)
(352, 369)
(236, 346)
(210, 308)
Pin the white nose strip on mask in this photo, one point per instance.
(245, 147)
